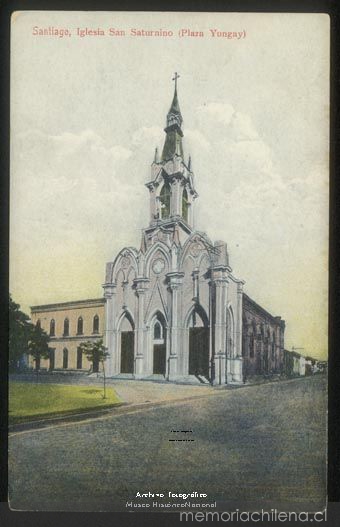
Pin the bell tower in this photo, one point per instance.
(171, 188)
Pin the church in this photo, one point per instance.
(173, 308)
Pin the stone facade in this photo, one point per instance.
(174, 307)
(68, 324)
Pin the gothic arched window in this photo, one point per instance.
(52, 328)
(66, 327)
(185, 205)
(65, 358)
(80, 326)
(157, 330)
(165, 201)
(96, 324)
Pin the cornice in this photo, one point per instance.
(76, 304)
(81, 338)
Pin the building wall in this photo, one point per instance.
(87, 310)
(262, 340)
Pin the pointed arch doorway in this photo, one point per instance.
(127, 345)
(199, 343)
(159, 345)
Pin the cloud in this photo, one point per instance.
(242, 128)
(242, 190)
(227, 146)
(147, 137)
(197, 138)
(74, 183)
(220, 113)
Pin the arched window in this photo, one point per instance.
(165, 201)
(96, 324)
(80, 326)
(157, 330)
(66, 327)
(52, 328)
(38, 324)
(65, 358)
(185, 205)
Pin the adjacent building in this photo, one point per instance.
(68, 324)
(263, 340)
(294, 364)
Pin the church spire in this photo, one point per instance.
(174, 134)
(172, 190)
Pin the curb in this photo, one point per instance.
(42, 423)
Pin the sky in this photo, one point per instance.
(88, 112)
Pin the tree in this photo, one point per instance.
(38, 345)
(19, 332)
(96, 353)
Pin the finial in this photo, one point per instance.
(156, 158)
(175, 79)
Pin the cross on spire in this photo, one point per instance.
(175, 79)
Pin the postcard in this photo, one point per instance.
(169, 263)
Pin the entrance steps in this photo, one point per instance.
(195, 380)
(155, 377)
(203, 380)
(125, 376)
(191, 379)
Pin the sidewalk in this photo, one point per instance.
(146, 392)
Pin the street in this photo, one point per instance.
(255, 447)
